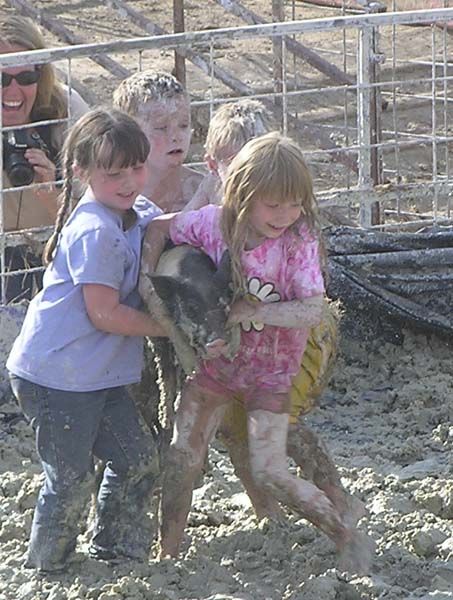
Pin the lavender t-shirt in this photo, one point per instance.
(58, 346)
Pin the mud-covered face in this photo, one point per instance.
(167, 126)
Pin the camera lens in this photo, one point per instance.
(19, 170)
(20, 173)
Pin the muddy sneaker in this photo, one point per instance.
(110, 555)
(100, 553)
(53, 569)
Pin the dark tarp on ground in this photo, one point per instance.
(402, 279)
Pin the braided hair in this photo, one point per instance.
(102, 139)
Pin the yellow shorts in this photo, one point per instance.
(308, 384)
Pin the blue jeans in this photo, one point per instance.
(71, 428)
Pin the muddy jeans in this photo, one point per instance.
(71, 428)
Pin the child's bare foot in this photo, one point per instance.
(356, 554)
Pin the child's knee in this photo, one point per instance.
(145, 467)
(71, 487)
(185, 459)
(263, 476)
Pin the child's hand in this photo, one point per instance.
(241, 310)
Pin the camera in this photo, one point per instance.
(15, 143)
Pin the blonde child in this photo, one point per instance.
(161, 106)
(268, 222)
(81, 344)
(231, 126)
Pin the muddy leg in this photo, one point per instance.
(267, 440)
(197, 419)
(263, 503)
(311, 454)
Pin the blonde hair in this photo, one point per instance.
(234, 124)
(99, 139)
(270, 166)
(136, 91)
(50, 102)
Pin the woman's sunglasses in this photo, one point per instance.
(22, 78)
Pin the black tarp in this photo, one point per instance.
(399, 279)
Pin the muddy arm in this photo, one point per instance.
(208, 192)
(293, 314)
(153, 246)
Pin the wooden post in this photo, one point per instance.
(178, 27)
(312, 58)
(368, 127)
(278, 15)
(375, 115)
(224, 76)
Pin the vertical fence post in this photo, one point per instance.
(368, 125)
(375, 111)
(178, 27)
(2, 222)
(278, 15)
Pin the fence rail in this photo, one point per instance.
(361, 131)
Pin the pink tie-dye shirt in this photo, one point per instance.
(279, 270)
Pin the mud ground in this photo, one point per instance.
(387, 418)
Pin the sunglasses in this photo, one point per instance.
(22, 78)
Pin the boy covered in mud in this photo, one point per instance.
(161, 106)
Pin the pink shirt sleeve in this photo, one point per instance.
(304, 266)
(200, 228)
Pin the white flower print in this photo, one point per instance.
(258, 292)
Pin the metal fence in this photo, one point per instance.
(367, 97)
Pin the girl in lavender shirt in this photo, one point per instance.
(81, 344)
(268, 222)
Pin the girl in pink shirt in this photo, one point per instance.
(268, 223)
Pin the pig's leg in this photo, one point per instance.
(311, 454)
(197, 419)
(267, 441)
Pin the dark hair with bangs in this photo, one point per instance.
(102, 139)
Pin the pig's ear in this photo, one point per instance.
(222, 276)
(166, 287)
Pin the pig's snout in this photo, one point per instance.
(227, 345)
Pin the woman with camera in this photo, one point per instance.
(30, 94)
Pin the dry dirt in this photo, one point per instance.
(387, 417)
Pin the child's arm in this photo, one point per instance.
(208, 192)
(157, 234)
(108, 314)
(294, 314)
(304, 282)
